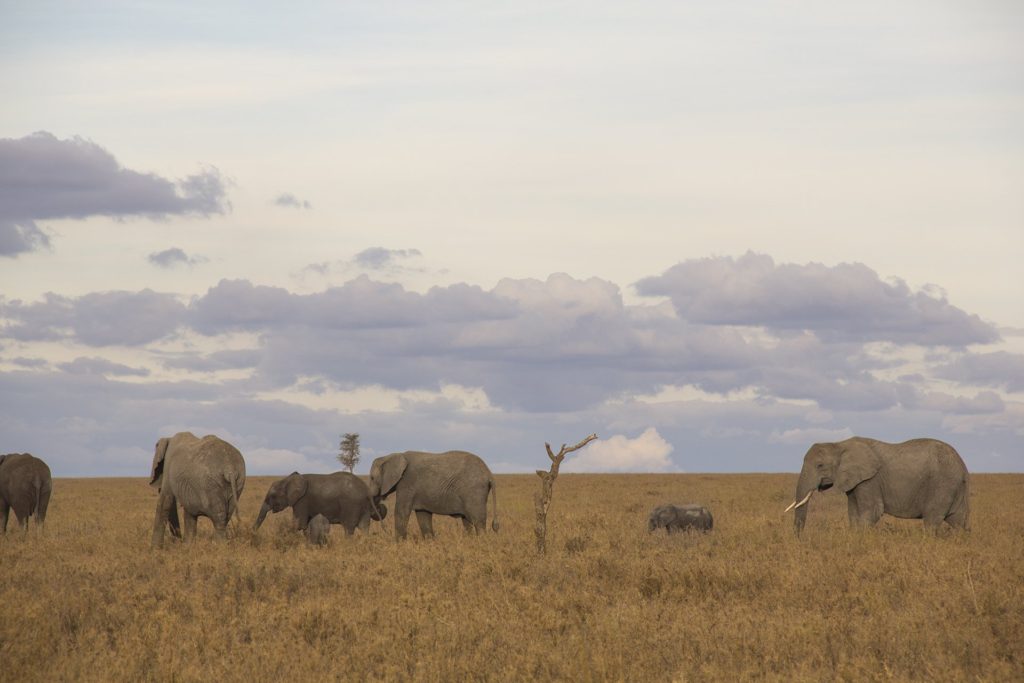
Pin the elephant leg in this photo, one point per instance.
(364, 524)
(426, 522)
(403, 508)
(864, 507)
(5, 510)
(164, 507)
(467, 526)
(173, 522)
(41, 507)
(220, 527)
(190, 525)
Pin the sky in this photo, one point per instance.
(712, 233)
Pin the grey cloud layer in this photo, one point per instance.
(557, 358)
(43, 177)
(848, 301)
(793, 332)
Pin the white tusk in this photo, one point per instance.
(795, 504)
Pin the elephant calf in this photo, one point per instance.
(25, 485)
(318, 530)
(680, 518)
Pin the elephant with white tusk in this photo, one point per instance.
(205, 476)
(918, 479)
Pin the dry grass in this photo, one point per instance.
(90, 601)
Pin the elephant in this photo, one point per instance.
(341, 497)
(205, 476)
(318, 530)
(680, 518)
(918, 479)
(454, 483)
(25, 485)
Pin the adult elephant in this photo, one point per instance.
(341, 497)
(25, 485)
(919, 479)
(455, 483)
(205, 476)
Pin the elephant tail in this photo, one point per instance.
(494, 504)
(233, 507)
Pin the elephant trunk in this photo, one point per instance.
(805, 486)
(264, 509)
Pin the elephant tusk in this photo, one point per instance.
(794, 504)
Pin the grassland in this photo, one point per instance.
(90, 601)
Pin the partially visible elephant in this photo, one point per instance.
(341, 497)
(25, 485)
(205, 476)
(318, 530)
(919, 479)
(680, 518)
(455, 483)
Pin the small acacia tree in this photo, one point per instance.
(542, 499)
(349, 451)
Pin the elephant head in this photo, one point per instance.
(283, 493)
(843, 464)
(385, 474)
(156, 472)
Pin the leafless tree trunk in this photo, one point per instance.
(542, 499)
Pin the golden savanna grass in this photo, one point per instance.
(90, 601)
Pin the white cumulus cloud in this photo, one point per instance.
(648, 452)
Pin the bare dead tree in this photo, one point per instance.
(542, 499)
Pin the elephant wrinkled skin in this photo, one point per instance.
(918, 479)
(341, 497)
(455, 483)
(205, 476)
(25, 485)
(680, 518)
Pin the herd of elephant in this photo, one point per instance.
(918, 479)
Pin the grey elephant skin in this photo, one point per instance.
(341, 497)
(918, 479)
(673, 518)
(454, 483)
(25, 485)
(318, 530)
(204, 476)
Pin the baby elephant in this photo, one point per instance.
(680, 518)
(317, 530)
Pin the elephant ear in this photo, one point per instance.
(295, 489)
(392, 470)
(858, 462)
(156, 473)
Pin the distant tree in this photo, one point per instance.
(349, 451)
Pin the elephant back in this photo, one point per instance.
(219, 457)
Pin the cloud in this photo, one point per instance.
(168, 258)
(995, 369)
(648, 452)
(845, 302)
(43, 177)
(101, 366)
(807, 436)
(97, 319)
(291, 201)
(377, 258)
(228, 359)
